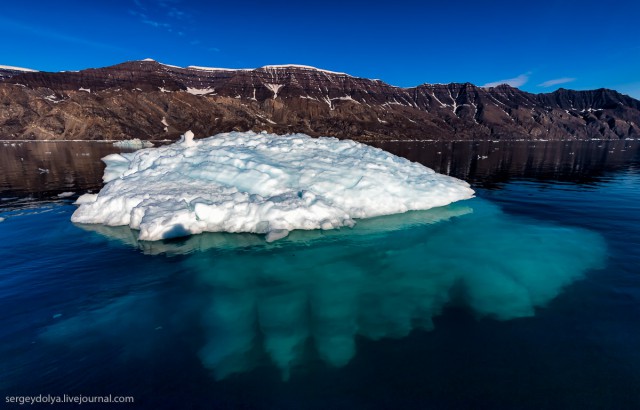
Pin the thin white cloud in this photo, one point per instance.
(556, 81)
(176, 14)
(513, 82)
(163, 15)
(157, 24)
(170, 8)
(139, 4)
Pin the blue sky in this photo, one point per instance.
(537, 46)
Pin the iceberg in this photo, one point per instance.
(135, 143)
(260, 183)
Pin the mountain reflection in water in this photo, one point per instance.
(46, 169)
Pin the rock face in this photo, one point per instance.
(149, 100)
(9, 71)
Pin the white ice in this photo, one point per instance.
(195, 67)
(260, 183)
(200, 91)
(267, 67)
(306, 67)
(135, 143)
(10, 67)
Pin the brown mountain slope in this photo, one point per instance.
(149, 100)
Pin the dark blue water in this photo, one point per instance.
(527, 296)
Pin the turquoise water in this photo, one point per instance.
(527, 296)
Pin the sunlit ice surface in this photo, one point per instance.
(260, 183)
(314, 293)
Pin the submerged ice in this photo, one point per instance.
(314, 294)
(260, 183)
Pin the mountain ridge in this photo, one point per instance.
(150, 100)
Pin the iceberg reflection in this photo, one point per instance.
(222, 240)
(313, 293)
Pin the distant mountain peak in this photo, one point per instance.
(12, 68)
(265, 67)
(195, 67)
(299, 66)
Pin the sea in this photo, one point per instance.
(524, 297)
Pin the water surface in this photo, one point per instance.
(527, 296)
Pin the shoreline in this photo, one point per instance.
(357, 140)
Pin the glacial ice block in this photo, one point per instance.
(135, 143)
(260, 183)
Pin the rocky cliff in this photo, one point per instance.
(149, 100)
